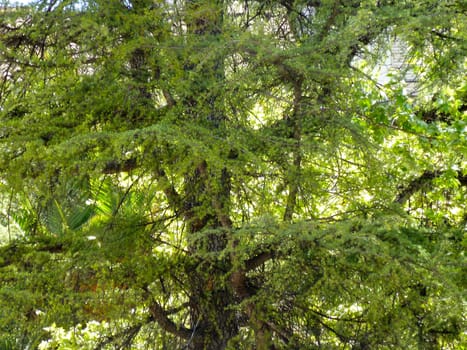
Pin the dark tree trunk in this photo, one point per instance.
(207, 196)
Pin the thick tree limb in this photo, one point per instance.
(258, 260)
(161, 317)
(417, 184)
(115, 166)
(13, 253)
(414, 186)
(239, 280)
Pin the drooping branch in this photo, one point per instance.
(132, 331)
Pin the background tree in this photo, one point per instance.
(220, 174)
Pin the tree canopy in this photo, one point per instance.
(233, 174)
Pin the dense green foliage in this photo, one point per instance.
(230, 174)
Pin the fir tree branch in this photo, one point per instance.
(115, 166)
(174, 199)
